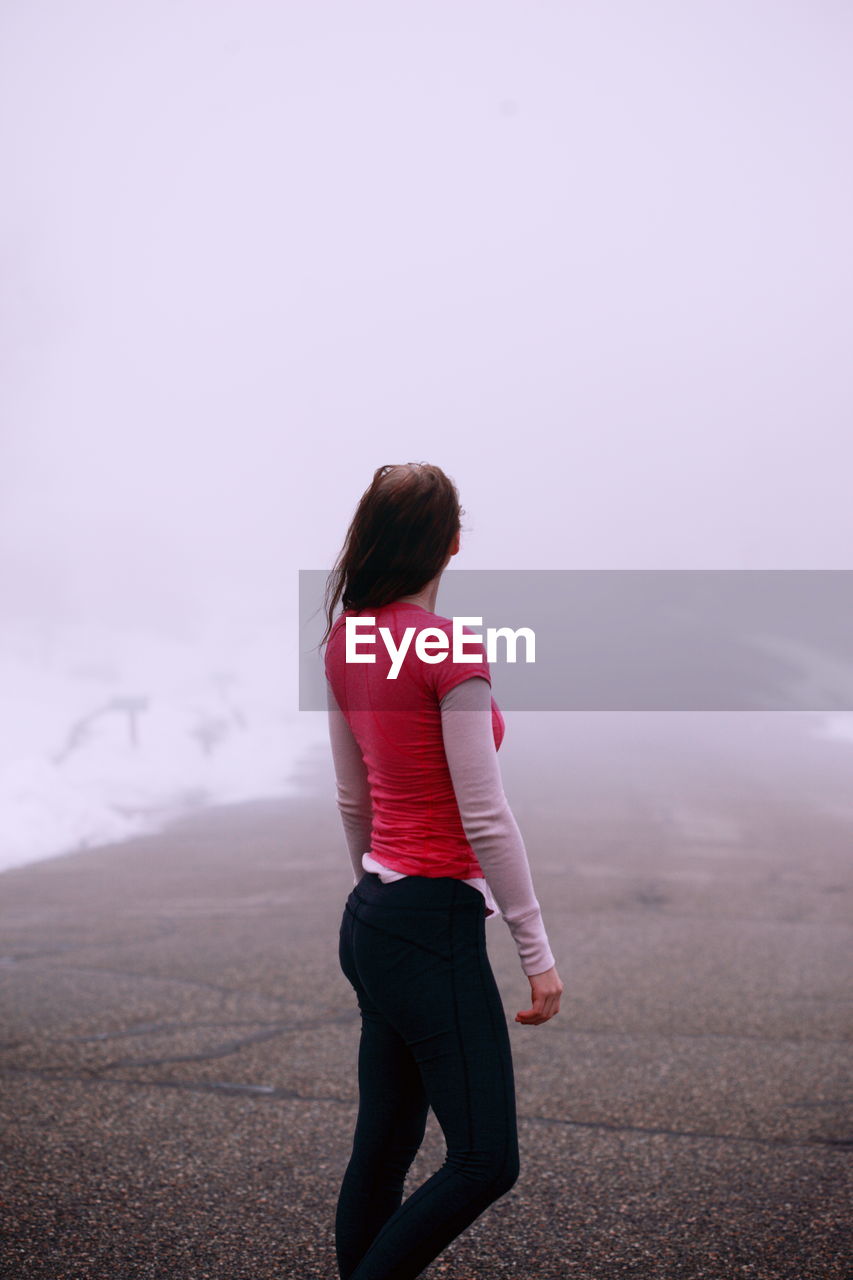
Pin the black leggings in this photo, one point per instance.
(433, 1033)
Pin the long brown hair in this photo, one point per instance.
(398, 539)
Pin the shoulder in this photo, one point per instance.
(338, 624)
(441, 623)
(333, 645)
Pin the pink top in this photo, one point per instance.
(416, 824)
(420, 793)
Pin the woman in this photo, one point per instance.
(435, 849)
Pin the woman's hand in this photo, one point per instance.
(547, 989)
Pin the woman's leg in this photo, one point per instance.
(389, 1128)
(427, 972)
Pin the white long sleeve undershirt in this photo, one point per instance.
(487, 820)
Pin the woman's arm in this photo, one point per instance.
(488, 821)
(353, 789)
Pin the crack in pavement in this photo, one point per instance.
(264, 1092)
(242, 992)
(158, 1028)
(565, 1029)
(22, 957)
(811, 1039)
(152, 977)
(687, 1133)
(268, 1032)
(230, 1046)
(196, 1086)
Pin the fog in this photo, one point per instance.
(593, 260)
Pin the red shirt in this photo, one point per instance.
(416, 826)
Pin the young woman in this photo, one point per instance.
(435, 849)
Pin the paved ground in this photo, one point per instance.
(177, 1044)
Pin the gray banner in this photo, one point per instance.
(642, 640)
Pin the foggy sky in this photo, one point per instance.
(593, 260)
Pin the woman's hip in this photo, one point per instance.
(421, 893)
(421, 962)
(399, 925)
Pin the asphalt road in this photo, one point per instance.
(178, 1045)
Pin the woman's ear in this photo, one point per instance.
(454, 546)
